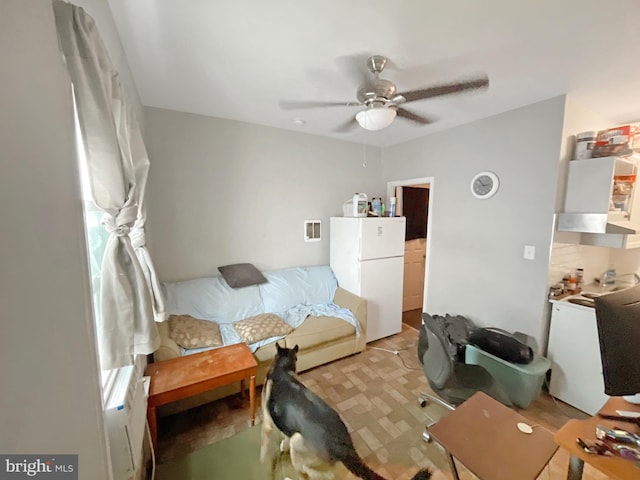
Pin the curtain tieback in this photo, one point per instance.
(137, 237)
(121, 224)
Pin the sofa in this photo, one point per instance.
(326, 321)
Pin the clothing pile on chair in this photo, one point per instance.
(459, 332)
(456, 329)
(441, 350)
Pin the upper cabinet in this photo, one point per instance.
(603, 202)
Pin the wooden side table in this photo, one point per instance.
(613, 467)
(191, 375)
(482, 434)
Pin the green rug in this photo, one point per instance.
(237, 457)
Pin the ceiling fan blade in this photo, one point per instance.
(414, 117)
(295, 105)
(446, 89)
(346, 126)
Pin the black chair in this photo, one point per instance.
(449, 377)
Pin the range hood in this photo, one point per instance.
(596, 223)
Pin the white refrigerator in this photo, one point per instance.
(367, 257)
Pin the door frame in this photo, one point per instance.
(391, 187)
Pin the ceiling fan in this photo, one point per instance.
(383, 102)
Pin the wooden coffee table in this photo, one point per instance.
(191, 375)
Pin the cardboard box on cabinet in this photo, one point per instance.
(617, 141)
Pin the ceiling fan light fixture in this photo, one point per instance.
(375, 118)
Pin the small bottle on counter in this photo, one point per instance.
(610, 275)
(580, 278)
(569, 282)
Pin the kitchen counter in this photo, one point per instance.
(591, 288)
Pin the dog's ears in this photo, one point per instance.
(281, 349)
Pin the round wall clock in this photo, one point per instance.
(484, 185)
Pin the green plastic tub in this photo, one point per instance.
(522, 383)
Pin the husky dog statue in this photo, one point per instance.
(314, 433)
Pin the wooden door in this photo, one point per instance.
(415, 253)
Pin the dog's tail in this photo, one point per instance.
(356, 466)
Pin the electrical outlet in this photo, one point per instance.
(529, 252)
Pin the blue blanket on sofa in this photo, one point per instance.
(292, 293)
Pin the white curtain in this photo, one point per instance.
(118, 165)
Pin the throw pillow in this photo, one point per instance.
(241, 275)
(189, 332)
(265, 325)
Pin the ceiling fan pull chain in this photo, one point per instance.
(364, 159)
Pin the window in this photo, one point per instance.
(96, 238)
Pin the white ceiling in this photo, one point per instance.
(236, 59)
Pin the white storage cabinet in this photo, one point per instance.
(589, 192)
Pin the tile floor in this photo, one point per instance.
(376, 393)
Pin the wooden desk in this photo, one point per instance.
(483, 435)
(616, 468)
(191, 375)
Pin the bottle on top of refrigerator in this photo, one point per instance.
(392, 206)
(360, 204)
(376, 205)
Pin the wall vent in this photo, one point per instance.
(312, 230)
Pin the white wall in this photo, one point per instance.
(476, 261)
(566, 258)
(224, 192)
(51, 400)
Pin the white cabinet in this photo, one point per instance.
(590, 183)
(574, 351)
(602, 202)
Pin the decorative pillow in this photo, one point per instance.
(189, 332)
(265, 325)
(241, 275)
